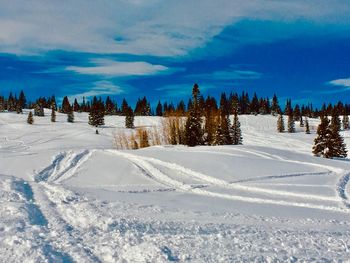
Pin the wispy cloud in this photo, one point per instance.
(340, 82)
(143, 27)
(225, 75)
(110, 68)
(99, 88)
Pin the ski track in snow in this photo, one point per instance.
(63, 166)
(145, 164)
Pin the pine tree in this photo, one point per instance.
(280, 123)
(53, 113)
(30, 119)
(275, 108)
(193, 127)
(210, 125)
(159, 109)
(65, 108)
(307, 127)
(22, 100)
(321, 142)
(223, 134)
(70, 115)
(39, 109)
(76, 106)
(236, 130)
(291, 124)
(336, 145)
(346, 124)
(129, 118)
(97, 112)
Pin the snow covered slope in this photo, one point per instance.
(67, 195)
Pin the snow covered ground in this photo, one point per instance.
(67, 195)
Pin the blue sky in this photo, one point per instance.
(129, 48)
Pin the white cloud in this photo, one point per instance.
(110, 68)
(143, 27)
(340, 82)
(99, 88)
(231, 74)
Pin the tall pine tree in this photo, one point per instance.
(30, 119)
(193, 127)
(97, 112)
(280, 123)
(336, 145)
(236, 130)
(321, 142)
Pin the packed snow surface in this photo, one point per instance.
(68, 195)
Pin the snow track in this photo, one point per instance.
(63, 235)
(342, 185)
(145, 164)
(63, 166)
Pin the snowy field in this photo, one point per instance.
(67, 195)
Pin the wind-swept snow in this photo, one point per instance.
(68, 196)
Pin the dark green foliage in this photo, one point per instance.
(53, 113)
(129, 118)
(30, 119)
(110, 106)
(2, 104)
(301, 121)
(193, 127)
(39, 109)
(307, 127)
(97, 113)
(142, 107)
(280, 123)
(76, 106)
(345, 121)
(159, 109)
(124, 107)
(65, 108)
(254, 105)
(70, 116)
(22, 101)
(321, 142)
(236, 130)
(223, 134)
(275, 108)
(288, 109)
(336, 145)
(296, 113)
(291, 123)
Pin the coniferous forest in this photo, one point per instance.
(207, 119)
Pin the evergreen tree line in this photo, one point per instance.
(207, 123)
(242, 104)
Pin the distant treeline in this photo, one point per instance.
(244, 104)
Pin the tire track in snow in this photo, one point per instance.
(145, 164)
(269, 177)
(224, 184)
(64, 236)
(341, 189)
(63, 166)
